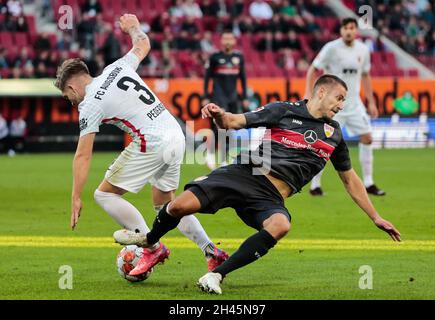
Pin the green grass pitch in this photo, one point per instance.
(319, 259)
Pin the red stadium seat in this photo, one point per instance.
(21, 39)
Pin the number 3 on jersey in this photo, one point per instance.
(122, 84)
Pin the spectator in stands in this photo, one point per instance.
(279, 42)
(28, 71)
(191, 9)
(267, 43)
(316, 43)
(287, 60)
(246, 25)
(310, 24)
(167, 63)
(190, 25)
(184, 42)
(22, 59)
(261, 10)
(288, 9)
(302, 67)
(206, 43)
(292, 41)
(15, 8)
(209, 8)
(21, 25)
(41, 64)
(176, 10)
(111, 48)
(175, 25)
(65, 43)
(3, 59)
(237, 8)
(42, 43)
(158, 23)
(92, 8)
(86, 32)
(4, 132)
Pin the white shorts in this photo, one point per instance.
(133, 168)
(356, 120)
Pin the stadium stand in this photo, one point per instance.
(278, 46)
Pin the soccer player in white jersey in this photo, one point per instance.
(349, 59)
(120, 97)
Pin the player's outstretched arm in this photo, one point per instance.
(81, 164)
(224, 120)
(355, 187)
(141, 43)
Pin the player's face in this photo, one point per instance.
(349, 32)
(332, 100)
(72, 94)
(228, 41)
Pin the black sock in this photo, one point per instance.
(163, 223)
(253, 248)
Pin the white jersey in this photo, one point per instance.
(120, 97)
(347, 63)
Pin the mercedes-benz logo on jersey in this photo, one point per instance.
(310, 136)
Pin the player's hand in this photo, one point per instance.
(128, 21)
(389, 228)
(212, 110)
(205, 101)
(76, 208)
(373, 110)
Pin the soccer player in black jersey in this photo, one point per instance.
(224, 68)
(303, 138)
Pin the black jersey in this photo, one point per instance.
(300, 144)
(225, 69)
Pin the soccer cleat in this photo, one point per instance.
(374, 190)
(149, 259)
(317, 192)
(216, 259)
(210, 283)
(128, 237)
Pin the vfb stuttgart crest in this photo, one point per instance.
(310, 136)
(329, 130)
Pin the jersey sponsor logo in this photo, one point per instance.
(350, 71)
(235, 60)
(258, 109)
(296, 140)
(83, 124)
(222, 61)
(297, 121)
(329, 130)
(310, 136)
(156, 111)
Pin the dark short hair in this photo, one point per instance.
(346, 21)
(67, 69)
(329, 79)
(227, 31)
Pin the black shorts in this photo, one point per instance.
(253, 197)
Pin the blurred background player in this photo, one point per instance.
(17, 132)
(349, 59)
(4, 131)
(120, 97)
(225, 68)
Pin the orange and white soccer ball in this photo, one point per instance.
(127, 260)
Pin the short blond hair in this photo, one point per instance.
(67, 69)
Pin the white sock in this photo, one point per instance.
(366, 160)
(193, 230)
(315, 183)
(121, 210)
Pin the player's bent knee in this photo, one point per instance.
(277, 225)
(178, 209)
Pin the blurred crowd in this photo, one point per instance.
(183, 33)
